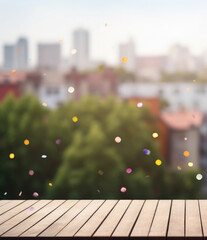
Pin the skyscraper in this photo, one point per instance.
(128, 50)
(81, 44)
(9, 56)
(21, 54)
(49, 56)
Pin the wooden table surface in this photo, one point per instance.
(102, 219)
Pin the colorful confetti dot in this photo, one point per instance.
(190, 164)
(124, 59)
(75, 119)
(58, 141)
(14, 71)
(73, 51)
(117, 139)
(194, 81)
(105, 24)
(31, 172)
(44, 104)
(71, 89)
(128, 170)
(188, 89)
(17, 49)
(100, 172)
(50, 184)
(11, 155)
(199, 176)
(20, 194)
(44, 156)
(60, 40)
(155, 135)
(35, 194)
(26, 142)
(186, 153)
(5, 193)
(123, 189)
(179, 168)
(31, 208)
(185, 138)
(158, 162)
(146, 151)
(139, 104)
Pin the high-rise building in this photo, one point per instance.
(81, 44)
(9, 56)
(21, 54)
(128, 50)
(49, 56)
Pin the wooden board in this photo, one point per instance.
(203, 212)
(108, 226)
(57, 226)
(22, 216)
(3, 202)
(39, 227)
(193, 222)
(160, 221)
(143, 223)
(36, 217)
(78, 221)
(94, 222)
(177, 219)
(10, 205)
(125, 226)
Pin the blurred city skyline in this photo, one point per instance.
(167, 23)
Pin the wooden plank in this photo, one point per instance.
(177, 219)
(144, 221)
(161, 218)
(78, 221)
(107, 227)
(94, 222)
(22, 216)
(203, 211)
(65, 219)
(124, 227)
(29, 222)
(10, 205)
(14, 211)
(3, 202)
(49, 219)
(193, 223)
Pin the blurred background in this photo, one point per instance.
(103, 99)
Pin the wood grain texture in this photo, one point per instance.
(108, 226)
(57, 226)
(3, 202)
(10, 205)
(160, 221)
(78, 222)
(94, 222)
(177, 219)
(203, 212)
(193, 221)
(22, 216)
(144, 221)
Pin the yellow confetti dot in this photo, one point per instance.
(188, 89)
(155, 135)
(179, 168)
(26, 142)
(124, 59)
(194, 81)
(50, 184)
(44, 104)
(11, 155)
(75, 119)
(190, 164)
(158, 162)
(186, 153)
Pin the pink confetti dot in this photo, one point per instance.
(20, 194)
(117, 139)
(128, 170)
(139, 104)
(123, 189)
(31, 208)
(58, 141)
(35, 194)
(31, 172)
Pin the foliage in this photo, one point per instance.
(87, 163)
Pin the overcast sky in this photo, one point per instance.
(154, 25)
